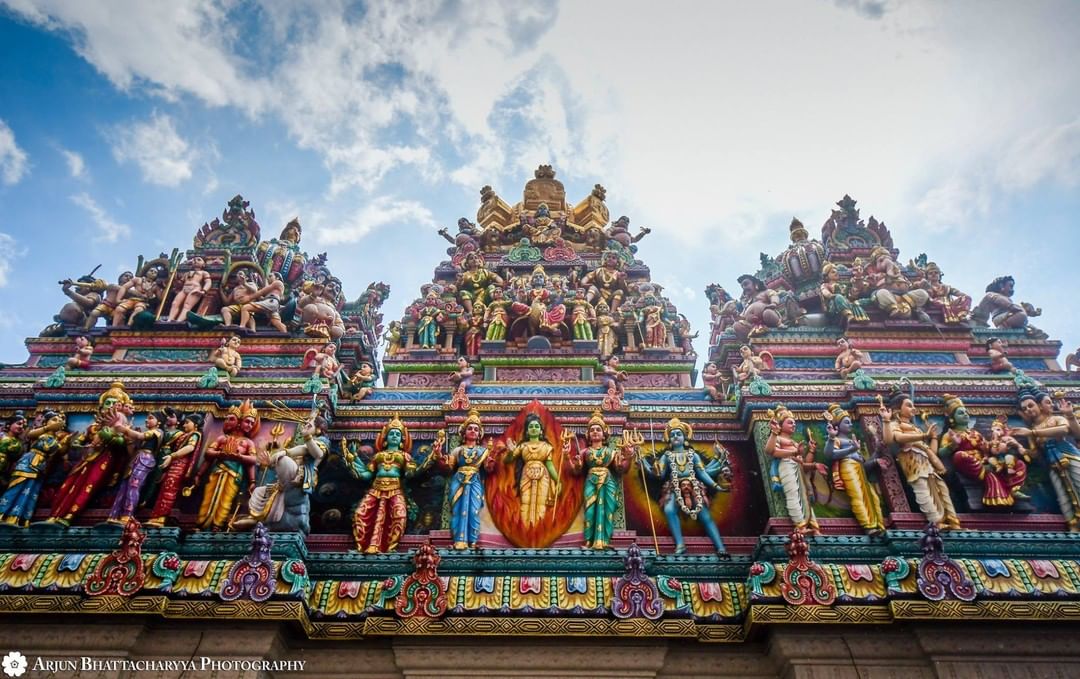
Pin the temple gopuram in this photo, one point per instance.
(524, 474)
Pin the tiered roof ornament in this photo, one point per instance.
(541, 275)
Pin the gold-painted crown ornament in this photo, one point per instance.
(472, 418)
(951, 403)
(245, 409)
(835, 413)
(779, 413)
(675, 423)
(597, 418)
(394, 423)
(115, 393)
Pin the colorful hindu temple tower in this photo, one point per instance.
(524, 474)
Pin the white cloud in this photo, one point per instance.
(13, 161)
(380, 212)
(9, 252)
(173, 48)
(154, 145)
(76, 164)
(109, 230)
(1051, 153)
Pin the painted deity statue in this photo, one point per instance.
(542, 308)
(890, 289)
(713, 381)
(474, 329)
(602, 461)
(539, 484)
(177, 465)
(462, 377)
(611, 378)
(379, 519)
(1000, 478)
(760, 308)
(266, 302)
(84, 349)
(227, 462)
(656, 328)
(245, 289)
(583, 316)
(18, 502)
(752, 364)
(147, 444)
(429, 316)
(998, 307)
(137, 295)
(606, 283)
(476, 281)
(323, 362)
(194, 284)
(955, 306)
(110, 298)
(470, 463)
(11, 443)
(282, 501)
(606, 339)
(998, 354)
(317, 307)
(227, 356)
(85, 296)
(849, 359)
(496, 317)
(723, 310)
(361, 384)
(392, 337)
(105, 452)
(790, 463)
(834, 299)
(917, 454)
(1053, 434)
(844, 452)
(686, 483)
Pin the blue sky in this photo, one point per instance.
(126, 125)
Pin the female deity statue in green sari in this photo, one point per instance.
(602, 461)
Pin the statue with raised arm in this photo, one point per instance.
(266, 302)
(20, 498)
(194, 284)
(178, 463)
(603, 461)
(110, 298)
(1052, 433)
(790, 463)
(227, 463)
(845, 453)
(686, 484)
(380, 517)
(469, 463)
(1000, 475)
(282, 501)
(890, 290)
(998, 307)
(137, 295)
(916, 451)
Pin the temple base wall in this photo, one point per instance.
(954, 650)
